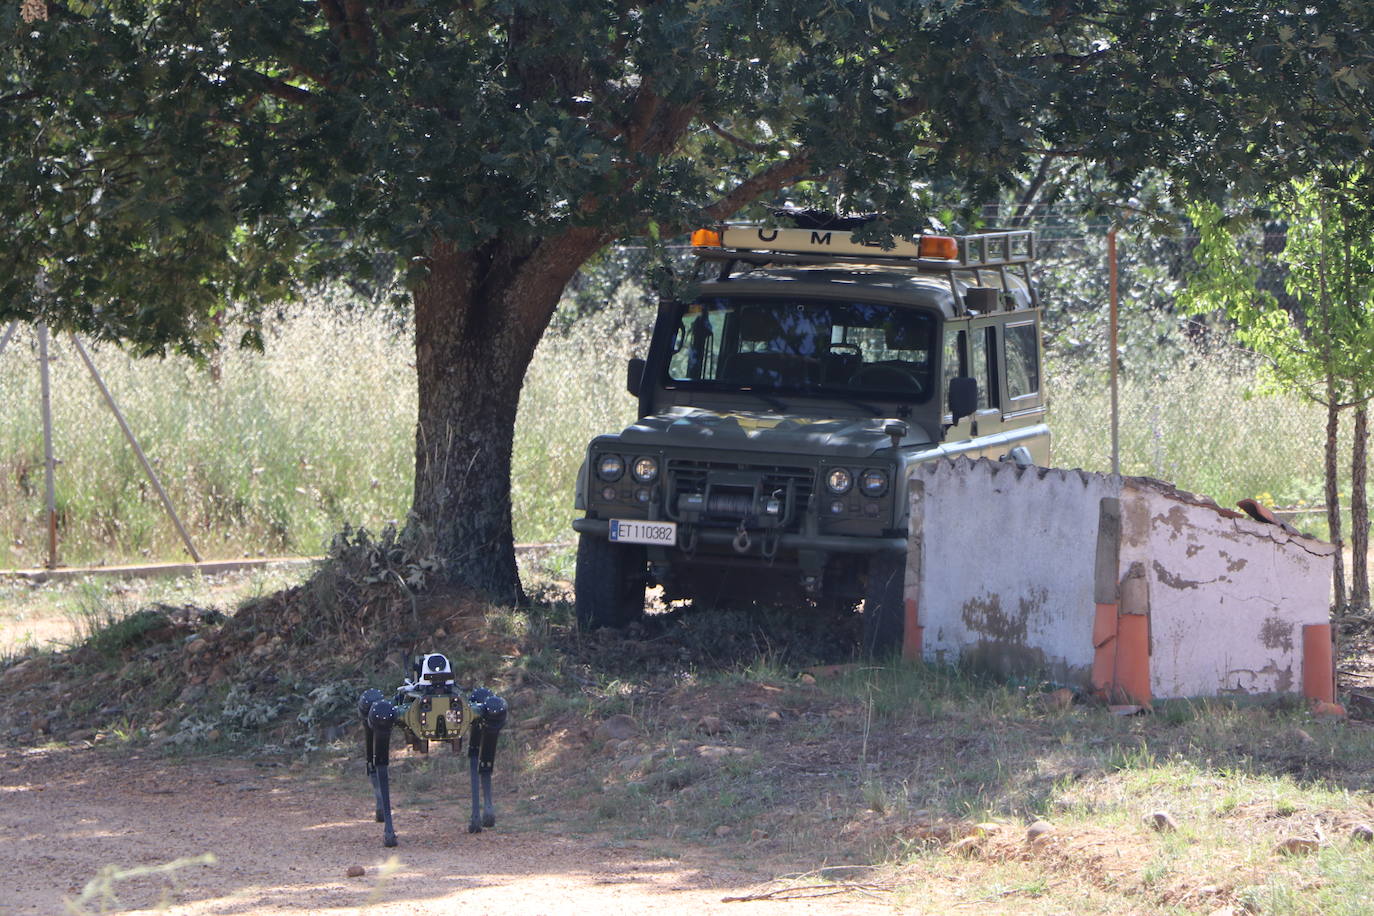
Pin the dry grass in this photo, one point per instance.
(318, 431)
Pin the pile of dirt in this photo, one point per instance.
(165, 671)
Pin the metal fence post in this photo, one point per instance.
(129, 434)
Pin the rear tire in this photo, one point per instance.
(610, 583)
(884, 616)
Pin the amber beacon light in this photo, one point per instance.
(706, 238)
(939, 246)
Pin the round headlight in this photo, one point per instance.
(610, 467)
(839, 480)
(645, 469)
(873, 482)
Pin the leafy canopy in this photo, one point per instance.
(1324, 336)
(160, 161)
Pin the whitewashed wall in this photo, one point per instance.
(1002, 575)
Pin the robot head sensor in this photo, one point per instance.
(435, 669)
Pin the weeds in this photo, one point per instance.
(271, 459)
(98, 896)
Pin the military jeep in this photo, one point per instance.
(782, 405)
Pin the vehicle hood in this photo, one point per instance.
(692, 427)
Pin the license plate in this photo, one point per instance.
(627, 531)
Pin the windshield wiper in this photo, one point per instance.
(863, 405)
(767, 399)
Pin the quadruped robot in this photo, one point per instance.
(431, 708)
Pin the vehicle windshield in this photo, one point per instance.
(812, 346)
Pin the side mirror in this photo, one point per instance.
(634, 375)
(963, 397)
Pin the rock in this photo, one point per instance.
(1298, 845)
(772, 716)
(1038, 831)
(355, 871)
(1056, 700)
(617, 728)
(715, 752)
(724, 830)
(1161, 821)
(1362, 832)
(807, 678)
(710, 725)
(969, 847)
(191, 694)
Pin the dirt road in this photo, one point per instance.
(284, 840)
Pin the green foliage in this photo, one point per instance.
(1326, 336)
(161, 164)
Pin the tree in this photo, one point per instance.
(1319, 344)
(163, 163)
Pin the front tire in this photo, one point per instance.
(610, 583)
(884, 616)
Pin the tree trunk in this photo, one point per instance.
(478, 318)
(1359, 511)
(1333, 496)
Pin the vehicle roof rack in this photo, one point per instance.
(976, 252)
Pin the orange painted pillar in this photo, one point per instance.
(1104, 647)
(1318, 663)
(1133, 657)
(913, 634)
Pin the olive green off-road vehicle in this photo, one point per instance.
(782, 407)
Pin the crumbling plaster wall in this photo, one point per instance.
(1002, 568)
(1227, 596)
(1006, 572)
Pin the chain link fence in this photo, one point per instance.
(256, 462)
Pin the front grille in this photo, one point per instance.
(722, 494)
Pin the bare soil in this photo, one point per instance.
(587, 822)
(284, 840)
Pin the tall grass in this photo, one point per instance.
(1200, 426)
(270, 459)
(318, 431)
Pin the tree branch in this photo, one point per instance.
(334, 15)
(359, 26)
(280, 89)
(734, 139)
(1028, 199)
(778, 175)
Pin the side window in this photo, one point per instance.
(695, 344)
(1023, 360)
(984, 371)
(954, 357)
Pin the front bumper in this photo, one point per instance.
(827, 543)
